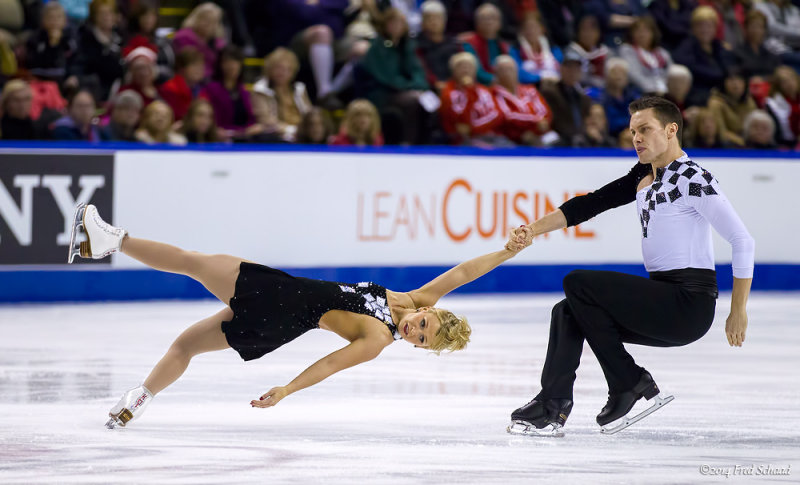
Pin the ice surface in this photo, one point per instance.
(406, 417)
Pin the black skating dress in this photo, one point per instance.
(271, 308)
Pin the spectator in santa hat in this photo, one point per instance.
(140, 74)
(142, 23)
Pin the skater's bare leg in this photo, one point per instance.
(204, 336)
(217, 272)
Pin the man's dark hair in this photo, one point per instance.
(665, 111)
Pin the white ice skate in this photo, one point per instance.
(130, 406)
(626, 421)
(524, 428)
(102, 238)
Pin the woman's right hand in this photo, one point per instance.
(271, 398)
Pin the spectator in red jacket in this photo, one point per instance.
(185, 86)
(526, 116)
(469, 112)
(361, 126)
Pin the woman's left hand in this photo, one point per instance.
(271, 398)
(519, 239)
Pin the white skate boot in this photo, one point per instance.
(102, 238)
(130, 406)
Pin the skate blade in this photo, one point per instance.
(522, 428)
(111, 424)
(626, 421)
(77, 224)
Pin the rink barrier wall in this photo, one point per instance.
(278, 174)
(37, 286)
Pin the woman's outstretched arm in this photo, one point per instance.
(468, 271)
(358, 351)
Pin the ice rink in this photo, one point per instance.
(406, 417)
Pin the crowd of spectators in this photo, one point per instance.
(498, 73)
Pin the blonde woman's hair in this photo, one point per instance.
(453, 334)
(278, 55)
(11, 87)
(357, 107)
(704, 12)
(203, 9)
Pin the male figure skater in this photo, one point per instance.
(678, 203)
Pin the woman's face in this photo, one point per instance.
(707, 127)
(141, 72)
(395, 28)
(488, 24)
(704, 30)
(678, 87)
(734, 86)
(755, 31)
(588, 32)
(642, 36)
(159, 119)
(362, 122)
(760, 132)
(231, 68)
(597, 117)
(419, 327)
(463, 69)
(433, 23)
(506, 73)
(148, 22)
(125, 115)
(532, 30)
(82, 109)
(195, 72)
(316, 129)
(203, 118)
(787, 84)
(54, 19)
(18, 104)
(105, 18)
(617, 77)
(206, 25)
(280, 73)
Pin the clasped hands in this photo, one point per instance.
(519, 238)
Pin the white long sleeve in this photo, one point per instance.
(677, 212)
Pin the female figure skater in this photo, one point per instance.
(267, 308)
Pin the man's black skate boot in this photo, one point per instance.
(541, 417)
(620, 404)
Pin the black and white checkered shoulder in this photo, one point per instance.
(679, 178)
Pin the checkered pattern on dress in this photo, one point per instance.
(664, 189)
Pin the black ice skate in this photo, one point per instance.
(541, 418)
(620, 404)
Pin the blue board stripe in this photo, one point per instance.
(125, 285)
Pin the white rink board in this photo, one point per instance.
(298, 209)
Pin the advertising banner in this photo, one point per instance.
(38, 195)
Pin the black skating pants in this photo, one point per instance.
(608, 309)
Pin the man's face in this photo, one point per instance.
(650, 137)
